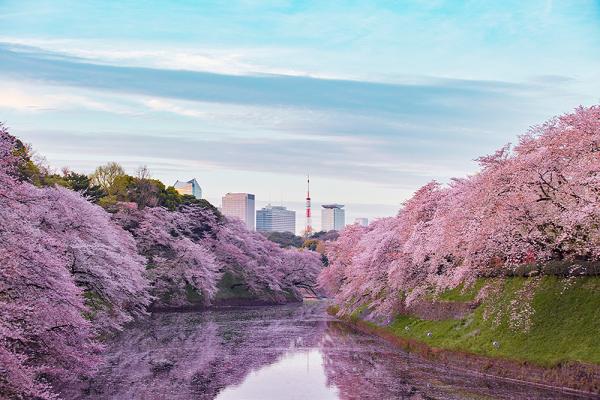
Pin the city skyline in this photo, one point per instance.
(296, 206)
(356, 211)
(254, 95)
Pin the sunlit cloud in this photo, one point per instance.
(222, 61)
(168, 106)
(39, 98)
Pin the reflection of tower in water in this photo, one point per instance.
(307, 363)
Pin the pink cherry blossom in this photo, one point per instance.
(536, 202)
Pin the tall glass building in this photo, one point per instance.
(239, 205)
(191, 187)
(333, 217)
(275, 219)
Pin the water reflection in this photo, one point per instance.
(284, 352)
(297, 375)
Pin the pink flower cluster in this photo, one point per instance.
(537, 201)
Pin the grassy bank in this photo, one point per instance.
(546, 321)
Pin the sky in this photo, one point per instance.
(372, 98)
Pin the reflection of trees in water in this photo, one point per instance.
(196, 355)
(365, 367)
(157, 358)
(253, 338)
(361, 369)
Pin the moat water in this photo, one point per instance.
(280, 352)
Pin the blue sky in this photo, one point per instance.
(372, 98)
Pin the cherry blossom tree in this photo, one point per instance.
(190, 250)
(300, 269)
(265, 270)
(533, 203)
(43, 334)
(67, 274)
(101, 257)
(340, 254)
(44, 337)
(179, 264)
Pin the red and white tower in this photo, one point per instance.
(308, 229)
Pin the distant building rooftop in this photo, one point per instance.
(239, 194)
(268, 206)
(334, 205)
(190, 187)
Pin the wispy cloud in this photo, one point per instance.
(357, 130)
(336, 160)
(168, 106)
(223, 61)
(21, 62)
(30, 97)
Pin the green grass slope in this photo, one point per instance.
(545, 321)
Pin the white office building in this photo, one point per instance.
(240, 206)
(191, 188)
(362, 221)
(333, 217)
(275, 219)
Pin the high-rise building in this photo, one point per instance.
(241, 206)
(333, 217)
(362, 221)
(189, 187)
(275, 219)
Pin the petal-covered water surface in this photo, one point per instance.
(280, 352)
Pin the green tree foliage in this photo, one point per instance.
(107, 177)
(142, 190)
(28, 170)
(107, 185)
(285, 239)
(145, 190)
(168, 197)
(311, 244)
(187, 199)
(82, 184)
(37, 173)
(325, 236)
